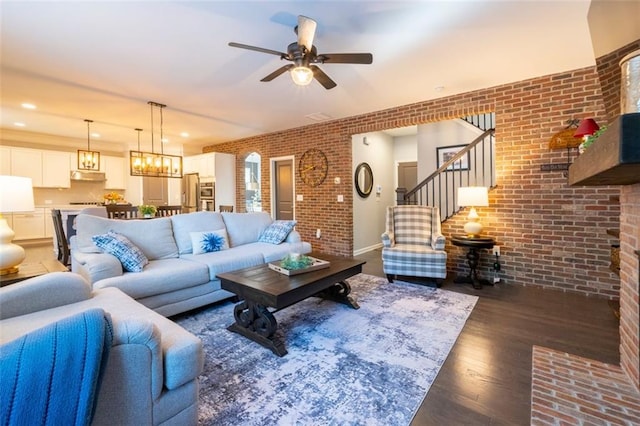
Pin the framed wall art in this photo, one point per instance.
(445, 153)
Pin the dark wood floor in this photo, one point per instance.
(486, 380)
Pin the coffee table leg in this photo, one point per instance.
(339, 292)
(255, 322)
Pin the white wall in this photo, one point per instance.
(369, 213)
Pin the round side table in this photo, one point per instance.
(473, 244)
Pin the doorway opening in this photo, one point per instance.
(253, 198)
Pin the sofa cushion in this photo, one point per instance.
(209, 241)
(228, 260)
(184, 224)
(277, 232)
(272, 252)
(131, 257)
(244, 228)
(154, 237)
(159, 276)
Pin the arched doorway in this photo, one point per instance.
(253, 198)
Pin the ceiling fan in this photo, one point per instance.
(303, 54)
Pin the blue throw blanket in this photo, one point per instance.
(51, 376)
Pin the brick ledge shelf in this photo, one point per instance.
(614, 159)
(571, 390)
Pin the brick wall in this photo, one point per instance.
(629, 282)
(552, 235)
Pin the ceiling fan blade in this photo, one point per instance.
(257, 49)
(322, 78)
(306, 30)
(345, 58)
(277, 72)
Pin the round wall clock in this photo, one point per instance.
(313, 167)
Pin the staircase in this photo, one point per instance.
(474, 165)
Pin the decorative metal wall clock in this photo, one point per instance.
(313, 167)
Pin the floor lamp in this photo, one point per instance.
(16, 195)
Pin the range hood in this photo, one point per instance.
(84, 176)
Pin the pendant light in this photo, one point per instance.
(152, 164)
(88, 160)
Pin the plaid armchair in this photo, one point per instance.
(413, 244)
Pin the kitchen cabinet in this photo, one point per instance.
(114, 169)
(5, 160)
(55, 173)
(28, 163)
(29, 225)
(47, 169)
(190, 164)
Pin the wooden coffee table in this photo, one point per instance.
(263, 292)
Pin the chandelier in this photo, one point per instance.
(87, 159)
(152, 164)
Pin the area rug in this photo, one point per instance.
(370, 366)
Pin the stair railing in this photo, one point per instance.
(440, 187)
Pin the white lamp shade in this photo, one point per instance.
(16, 194)
(474, 196)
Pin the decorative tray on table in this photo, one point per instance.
(294, 265)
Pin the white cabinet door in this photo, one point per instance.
(190, 164)
(28, 163)
(55, 169)
(5, 160)
(225, 168)
(114, 168)
(29, 225)
(48, 224)
(207, 167)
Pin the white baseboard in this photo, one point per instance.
(367, 249)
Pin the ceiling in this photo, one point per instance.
(105, 60)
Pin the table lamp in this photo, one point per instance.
(473, 196)
(16, 195)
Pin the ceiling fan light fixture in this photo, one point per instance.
(301, 76)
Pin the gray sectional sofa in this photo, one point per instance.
(175, 280)
(151, 376)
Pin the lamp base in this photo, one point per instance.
(11, 255)
(472, 229)
(9, 271)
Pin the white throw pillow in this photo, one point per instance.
(209, 241)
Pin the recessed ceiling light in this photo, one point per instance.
(27, 105)
(19, 124)
(184, 134)
(95, 135)
(165, 140)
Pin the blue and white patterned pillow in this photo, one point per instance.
(131, 257)
(277, 232)
(209, 241)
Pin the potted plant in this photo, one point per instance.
(147, 210)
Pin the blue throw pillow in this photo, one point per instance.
(131, 257)
(209, 241)
(277, 232)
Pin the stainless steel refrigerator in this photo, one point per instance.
(191, 193)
